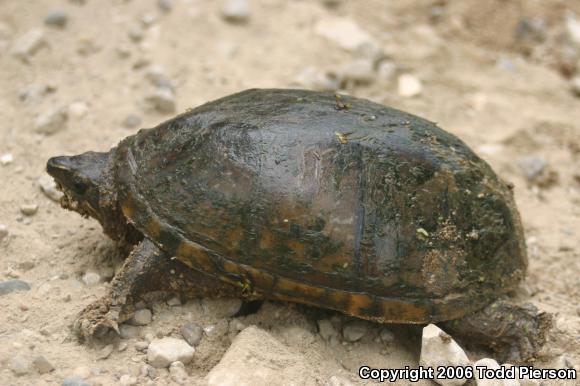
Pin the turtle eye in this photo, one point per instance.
(79, 187)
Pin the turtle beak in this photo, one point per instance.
(59, 167)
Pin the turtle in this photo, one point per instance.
(315, 198)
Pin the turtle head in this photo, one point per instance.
(82, 179)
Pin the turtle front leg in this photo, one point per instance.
(515, 332)
(146, 269)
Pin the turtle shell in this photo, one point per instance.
(327, 200)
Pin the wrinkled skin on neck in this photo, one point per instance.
(88, 183)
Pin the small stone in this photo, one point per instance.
(6, 159)
(359, 71)
(192, 333)
(314, 79)
(132, 121)
(29, 44)
(236, 11)
(162, 352)
(42, 365)
(56, 18)
(20, 365)
(105, 352)
(178, 373)
(91, 279)
(345, 33)
(136, 33)
(148, 20)
(127, 331)
(537, 171)
(387, 336)
(409, 86)
(165, 5)
(156, 75)
(3, 232)
(82, 372)
(78, 109)
(326, 330)
(141, 317)
(387, 70)
(29, 209)
(162, 100)
(141, 345)
(48, 187)
(236, 325)
(127, 380)
(174, 302)
(573, 29)
(74, 381)
(354, 331)
(575, 85)
(338, 381)
(51, 122)
(439, 349)
(122, 346)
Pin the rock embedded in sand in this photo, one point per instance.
(29, 209)
(256, 358)
(51, 122)
(192, 333)
(13, 285)
(409, 86)
(439, 349)
(177, 372)
(127, 380)
(359, 71)
(3, 232)
(42, 365)
(56, 18)
(161, 100)
(165, 5)
(29, 44)
(74, 381)
(354, 330)
(48, 187)
(132, 121)
(91, 279)
(6, 159)
(345, 33)
(141, 317)
(127, 331)
(236, 11)
(162, 352)
(314, 79)
(327, 330)
(20, 365)
(387, 336)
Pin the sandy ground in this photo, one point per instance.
(506, 98)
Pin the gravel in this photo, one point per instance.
(162, 352)
(13, 285)
(236, 11)
(56, 18)
(192, 333)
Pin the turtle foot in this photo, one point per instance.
(514, 332)
(97, 320)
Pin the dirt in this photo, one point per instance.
(504, 97)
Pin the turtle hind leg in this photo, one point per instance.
(515, 332)
(146, 269)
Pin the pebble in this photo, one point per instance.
(165, 5)
(162, 352)
(162, 100)
(156, 75)
(48, 187)
(141, 317)
(6, 159)
(537, 171)
(439, 349)
(314, 79)
(29, 209)
(91, 279)
(52, 121)
(127, 380)
(359, 71)
(575, 85)
(531, 30)
(74, 381)
(42, 365)
(13, 285)
(192, 333)
(387, 336)
(105, 352)
(127, 331)
(409, 86)
(136, 33)
(236, 11)
(20, 365)
(236, 325)
(345, 33)
(122, 346)
(3, 232)
(78, 109)
(178, 373)
(573, 29)
(132, 121)
(141, 345)
(174, 302)
(354, 331)
(326, 330)
(56, 18)
(29, 44)
(387, 70)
